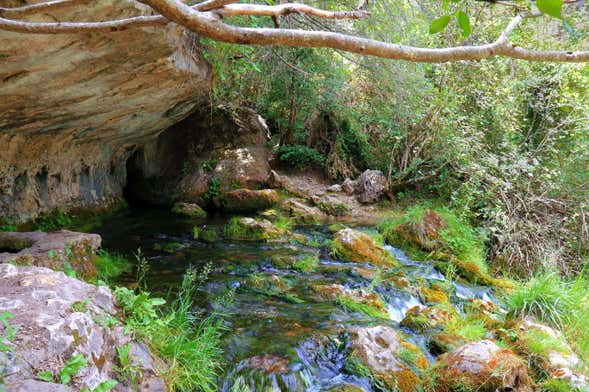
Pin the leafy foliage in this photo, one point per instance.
(300, 157)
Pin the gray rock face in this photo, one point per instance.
(378, 347)
(58, 317)
(74, 107)
(371, 186)
(35, 246)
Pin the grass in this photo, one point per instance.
(283, 223)
(560, 303)
(53, 221)
(349, 305)
(110, 265)
(307, 263)
(469, 328)
(190, 344)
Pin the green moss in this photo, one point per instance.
(335, 227)
(189, 209)
(349, 305)
(168, 247)
(558, 385)
(53, 221)
(239, 229)
(334, 208)
(307, 263)
(208, 234)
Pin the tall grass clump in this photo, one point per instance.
(456, 236)
(188, 342)
(561, 303)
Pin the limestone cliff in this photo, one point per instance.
(73, 108)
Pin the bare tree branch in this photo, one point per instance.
(208, 24)
(39, 7)
(285, 9)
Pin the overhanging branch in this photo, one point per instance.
(205, 19)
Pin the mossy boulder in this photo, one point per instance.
(208, 234)
(246, 200)
(353, 245)
(301, 212)
(481, 366)
(548, 351)
(441, 343)
(423, 233)
(331, 205)
(252, 229)
(168, 247)
(189, 209)
(426, 318)
(379, 354)
(337, 292)
(431, 295)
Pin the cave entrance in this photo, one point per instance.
(135, 188)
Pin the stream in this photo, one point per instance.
(286, 342)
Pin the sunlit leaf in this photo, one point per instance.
(463, 23)
(439, 24)
(551, 7)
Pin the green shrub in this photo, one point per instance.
(53, 221)
(300, 157)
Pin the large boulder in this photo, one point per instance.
(202, 157)
(74, 107)
(252, 229)
(353, 245)
(482, 366)
(245, 200)
(378, 349)
(301, 212)
(424, 233)
(57, 318)
(51, 249)
(371, 186)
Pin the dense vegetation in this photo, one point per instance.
(503, 143)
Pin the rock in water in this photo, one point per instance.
(189, 209)
(371, 186)
(378, 349)
(482, 366)
(353, 245)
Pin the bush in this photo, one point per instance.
(300, 157)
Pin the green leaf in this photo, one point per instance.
(550, 7)
(71, 367)
(439, 24)
(463, 23)
(46, 376)
(105, 386)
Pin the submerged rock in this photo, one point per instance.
(208, 234)
(245, 200)
(59, 317)
(252, 229)
(189, 209)
(482, 366)
(371, 186)
(378, 351)
(353, 245)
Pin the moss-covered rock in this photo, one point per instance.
(428, 295)
(252, 229)
(425, 318)
(441, 343)
(423, 233)
(301, 212)
(355, 300)
(168, 247)
(354, 245)
(379, 354)
(189, 209)
(246, 200)
(208, 234)
(331, 205)
(481, 366)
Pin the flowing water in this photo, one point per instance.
(280, 336)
